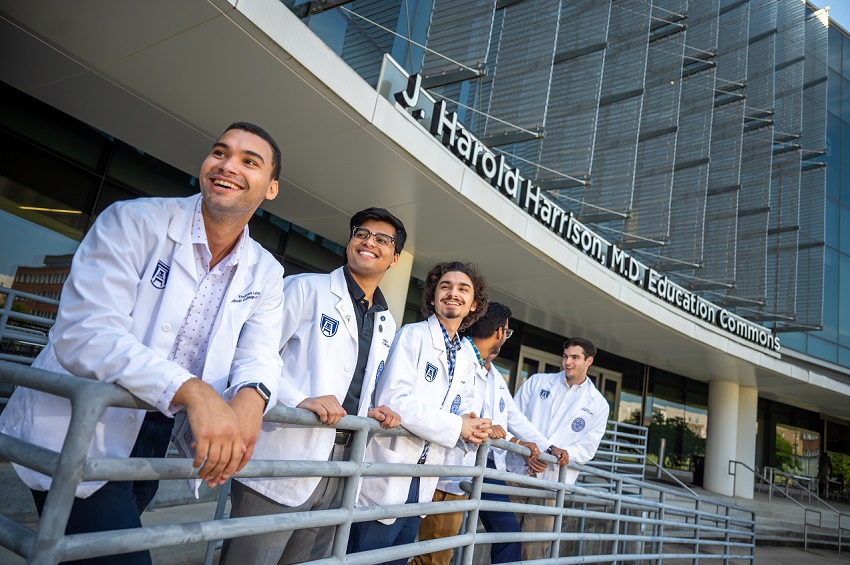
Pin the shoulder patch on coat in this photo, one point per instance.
(578, 424)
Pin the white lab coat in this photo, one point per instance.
(317, 363)
(492, 400)
(577, 424)
(115, 325)
(415, 383)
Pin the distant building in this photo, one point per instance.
(44, 281)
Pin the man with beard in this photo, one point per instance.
(429, 384)
(483, 341)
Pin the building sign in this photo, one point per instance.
(444, 125)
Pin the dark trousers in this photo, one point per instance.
(118, 505)
(500, 522)
(375, 535)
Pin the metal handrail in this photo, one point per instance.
(806, 510)
(638, 529)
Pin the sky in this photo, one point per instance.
(839, 10)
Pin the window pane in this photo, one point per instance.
(835, 49)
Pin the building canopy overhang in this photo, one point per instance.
(168, 77)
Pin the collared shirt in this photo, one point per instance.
(452, 347)
(481, 361)
(190, 347)
(365, 329)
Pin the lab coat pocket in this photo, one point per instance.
(379, 491)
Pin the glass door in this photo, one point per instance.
(532, 361)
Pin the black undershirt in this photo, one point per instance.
(365, 330)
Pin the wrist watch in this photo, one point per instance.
(261, 389)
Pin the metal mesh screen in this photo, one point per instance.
(659, 124)
(523, 72)
(574, 95)
(460, 30)
(783, 225)
(756, 161)
(365, 44)
(618, 125)
(693, 141)
(810, 262)
(721, 230)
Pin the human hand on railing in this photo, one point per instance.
(248, 407)
(532, 447)
(498, 432)
(475, 429)
(386, 416)
(535, 466)
(561, 454)
(216, 429)
(327, 408)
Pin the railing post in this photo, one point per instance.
(212, 545)
(349, 494)
(697, 520)
(87, 406)
(618, 508)
(470, 525)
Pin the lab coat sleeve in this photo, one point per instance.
(92, 334)
(256, 358)
(293, 311)
(521, 427)
(584, 446)
(396, 389)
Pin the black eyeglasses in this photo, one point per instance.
(382, 239)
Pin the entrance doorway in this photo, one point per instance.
(609, 383)
(532, 361)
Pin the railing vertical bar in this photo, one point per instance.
(87, 405)
(221, 504)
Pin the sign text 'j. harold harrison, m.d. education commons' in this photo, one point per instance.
(510, 182)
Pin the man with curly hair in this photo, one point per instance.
(431, 387)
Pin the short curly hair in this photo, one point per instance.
(479, 289)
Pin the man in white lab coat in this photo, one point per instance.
(337, 332)
(572, 413)
(172, 300)
(483, 341)
(428, 381)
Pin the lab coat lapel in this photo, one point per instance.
(344, 305)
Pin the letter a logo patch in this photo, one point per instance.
(544, 394)
(430, 372)
(160, 275)
(329, 326)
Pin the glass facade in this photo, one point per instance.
(832, 343)
(693, 133)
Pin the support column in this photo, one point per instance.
(395, 283)
(721, 442)
(748, 400)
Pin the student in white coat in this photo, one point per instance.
(572, 413)
(170, 299)
(483, 341)
(337, 332)
(429, 383)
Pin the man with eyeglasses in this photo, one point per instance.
(337, 332)
(568, 409)
(483, 342)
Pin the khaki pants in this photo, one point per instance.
(436, 526)
(535, 523)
